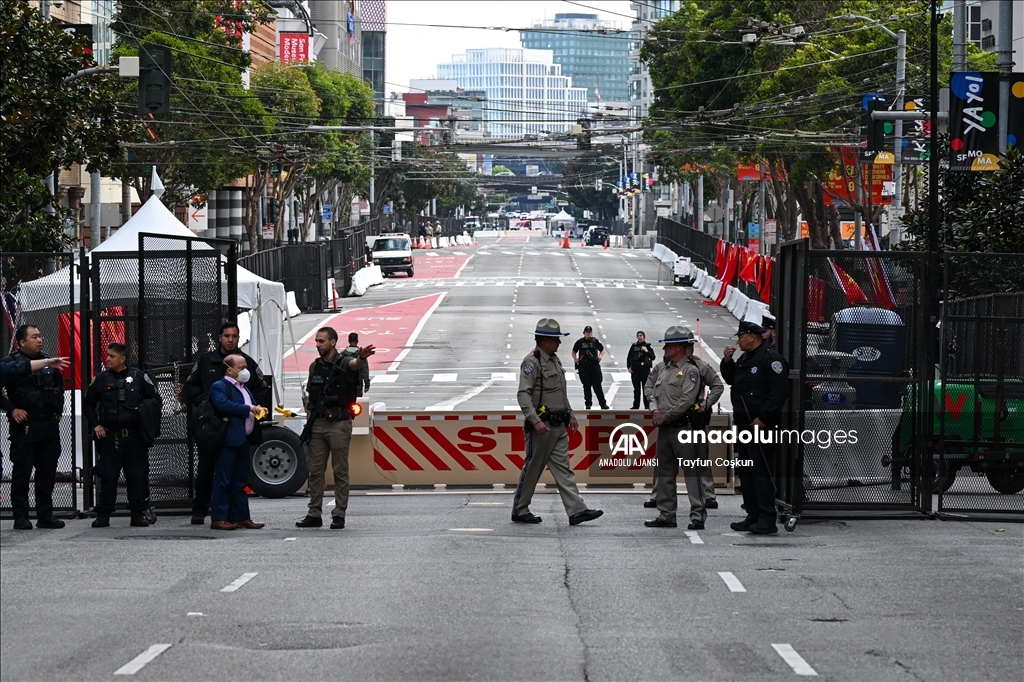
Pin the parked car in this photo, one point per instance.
(596, 235)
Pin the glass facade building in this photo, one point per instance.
(590, 51)
(526, 94)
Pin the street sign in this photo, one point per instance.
(268, 231)
(197, 218)
(771, 234)
(327, 213)
(387, 208)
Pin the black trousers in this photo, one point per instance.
(122, 453)
(590, 377)
(639, 377)
(758, 485)
(207, 466)
(38, 449)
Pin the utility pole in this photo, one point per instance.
(897, 168)
(700, 202)
(96, 232)
(373, 159)
(1004, 48)
(959, 35)
(763, 212)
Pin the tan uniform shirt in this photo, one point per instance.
(555, 396)
(673, 387)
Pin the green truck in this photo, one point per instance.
(979, 425)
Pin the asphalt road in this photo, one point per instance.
(442, 586)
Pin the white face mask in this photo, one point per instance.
(243, 376)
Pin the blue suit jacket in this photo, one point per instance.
(230, 402)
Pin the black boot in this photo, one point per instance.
(22, 523)
(102, 521)
(139, 519)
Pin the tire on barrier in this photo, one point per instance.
(1007, 482)
(278, 463)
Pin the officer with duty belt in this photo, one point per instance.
(34, 403)
(112, 407)
(545, 403)
(205, 373)
(760, 386)
(676, 387)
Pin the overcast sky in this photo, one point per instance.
(414, 51)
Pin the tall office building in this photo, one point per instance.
(374, 29)
(339, 21)
(641, 92)
(594, 53)
(527, 95)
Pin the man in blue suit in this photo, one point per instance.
(230, 506)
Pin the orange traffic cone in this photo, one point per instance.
(583, 243)
(620, 242)
(606, 242)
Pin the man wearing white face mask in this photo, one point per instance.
(230, 506)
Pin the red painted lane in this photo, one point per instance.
(514, 238)
(442, 266)
(388, 327)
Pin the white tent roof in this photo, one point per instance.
(265, 298)
(562, 217)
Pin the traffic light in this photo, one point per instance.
(154, 79)
(599, 184)
(583, 141)
(645, 185)
(875, 129)
(273, 209)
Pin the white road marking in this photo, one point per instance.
(486, 503)
(570, 376)
(732, 582)
(416, 332)
(290, 539)
(472, 393)
(513, 408)
(600, 285)
(431, 254)
(458, 253)
(471, 530)
(795, 660)
(460, 284)
(622, 376)
(384, 378)
(694, 538)
(136, 664)
(620, 285)
(445, 377)
(243, 579)
(503, 376)
(612, 392)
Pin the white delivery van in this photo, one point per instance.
(392, 251)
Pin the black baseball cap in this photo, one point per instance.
(588, 328)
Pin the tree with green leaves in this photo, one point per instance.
(579, 178)
(48, 123)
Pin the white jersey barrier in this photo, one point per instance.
(365, 278)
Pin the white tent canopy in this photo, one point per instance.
(264, 298)
(562, 219)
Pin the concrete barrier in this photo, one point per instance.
(365, 278)
(292, 309)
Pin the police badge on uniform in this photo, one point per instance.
(777, 366)
(527, 368)
(753, 370)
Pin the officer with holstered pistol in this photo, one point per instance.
(332, 388)
(545, 403)
(676, 387)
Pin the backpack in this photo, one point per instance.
(208, 426)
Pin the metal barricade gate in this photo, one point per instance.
(49, 284)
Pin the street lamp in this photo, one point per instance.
(901, 79)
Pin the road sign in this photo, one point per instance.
(771, 235)
(387, 208)
(268, 231)
(197, 218)
(327, 213)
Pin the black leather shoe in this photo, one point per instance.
(695, 525)
(149, 515)
(711, 504)
(528, 517)
(49, 522)
(139, 520)
(585, 515)
(764, 529)
(198, 519)
(651, 504)
(658, 523)
(605, 407)
(22, 523)
(338, 522)
(310, 522)
(102, 521)
(742, 526)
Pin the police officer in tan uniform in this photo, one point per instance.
(545, 403)
(675, 387)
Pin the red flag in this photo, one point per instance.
(854, 294)
(815, 299)
(720, 252)
(878, 277)
(765, 289)
(748, 271)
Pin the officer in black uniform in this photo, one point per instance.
(760, 386)
(587, 353)
(111, 406)
(209, 369)
(34, 403)
(639, 361)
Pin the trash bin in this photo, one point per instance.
(877, 340)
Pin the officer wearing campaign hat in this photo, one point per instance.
(545, 403)
(760, 386)
(676, 389)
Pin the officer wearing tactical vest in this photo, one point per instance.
(34, 403)
(332, 387)
(210, 369)
(676, 387)
(545, 403)
(112, 408)
(587, 354)
(760, 386)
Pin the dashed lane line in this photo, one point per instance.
(136, 664)
(795, 660)
(241, 580)
(732, 582)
